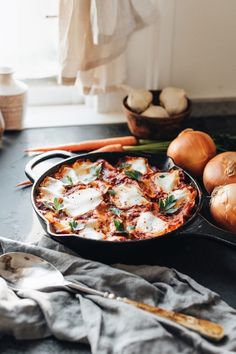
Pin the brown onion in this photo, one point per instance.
(191, 150)
(223, 206)
(220, 170)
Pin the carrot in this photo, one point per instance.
(88, 144)
(110, 148)
(24, 184)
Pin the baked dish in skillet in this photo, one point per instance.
(131, 200)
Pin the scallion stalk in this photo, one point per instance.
(158, 146)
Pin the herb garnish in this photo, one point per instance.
(125, 165)
(75, 226)
(57, 204)
(115, 211)
(166, 205)
(119, 225)
(130, 228)
(97, 170)
(111, 192)
(69, 179)
(162, 176)
(134, 174)
(48, 205)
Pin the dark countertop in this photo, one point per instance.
(208, 262)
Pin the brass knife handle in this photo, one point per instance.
(206, 328)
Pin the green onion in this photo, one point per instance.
(159, 146)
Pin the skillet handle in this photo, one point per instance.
(42, 157)
(203, 228)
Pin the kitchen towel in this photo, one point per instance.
(93, 36)
(109, 326)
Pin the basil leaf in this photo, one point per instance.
(166, 205)
(48, 205)
(75, 226)
(125, 165)
(171, 211)
(97, 170)
(118, 225)
(115, 211)
(57, 205)
(69, 179)
(111, 192)
(134, 174)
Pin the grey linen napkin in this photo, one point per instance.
(109, 326)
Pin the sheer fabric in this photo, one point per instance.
(93, 38)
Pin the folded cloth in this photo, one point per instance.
(107, 325)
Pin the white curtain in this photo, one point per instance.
(93, 38)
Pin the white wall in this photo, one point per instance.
(197, 49)
(192, 46)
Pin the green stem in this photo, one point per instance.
(161, 146)
(147, 141)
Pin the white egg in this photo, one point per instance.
(82, 201)
(149, 223)
(127, 195)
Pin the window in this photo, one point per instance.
(29, 43)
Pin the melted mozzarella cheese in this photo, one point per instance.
(149, 223)
(91, 230)
(128, 195)
(181, 196)
(86, 171)
(51, 188)
(62, 226)
(167, 181)
(69, 176)
(82, 201)
(138, 164)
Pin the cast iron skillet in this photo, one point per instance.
(136, 251)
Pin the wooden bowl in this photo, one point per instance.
(155, 127)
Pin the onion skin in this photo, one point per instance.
(191, 150)
(223, 206)
(220, 170)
